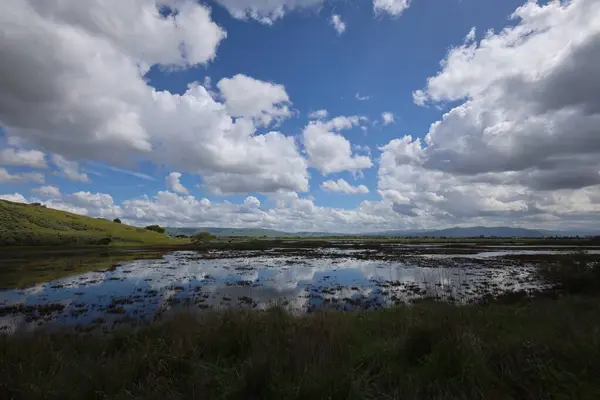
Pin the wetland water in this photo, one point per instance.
(301, 280)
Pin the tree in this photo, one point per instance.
(202, 237)
(156, 228)
(117, 220)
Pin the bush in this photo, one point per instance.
(202, 237)
(104, 241)
(117, 220)
(156, 228)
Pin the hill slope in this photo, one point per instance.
(33, 225)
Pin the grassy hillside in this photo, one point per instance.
(34, 225)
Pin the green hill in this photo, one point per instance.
(36, 225)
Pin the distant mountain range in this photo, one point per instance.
(475, 231)
(251, 232)
(228, 231)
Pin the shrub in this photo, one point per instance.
(104, 241)
(117, 220)
(156, 228)
(202, 237)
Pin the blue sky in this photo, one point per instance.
(109, 137)
(381, 58)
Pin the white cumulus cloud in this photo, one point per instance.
(265, 11)
(96, 204)
(522, 143)
(20, 177)
(388, 118)
(69, 169)
(251, 98)
(394, 8)
(338, 24)
(269, 11)
(174, 184)
(318, 114)
(328, 150)
(71, 76)
(72, 83)
(342, 186)
(15, 198)
(51, 192)
(22, 158)
(523, 92)
(251, 202)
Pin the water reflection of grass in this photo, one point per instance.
(21, 269)
(540, 349)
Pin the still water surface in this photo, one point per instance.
(335, 279)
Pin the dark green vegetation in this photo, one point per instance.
(156, 228)
(36, 225)
(203, 237)
(533, 350)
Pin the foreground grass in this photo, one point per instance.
(33, 225)
(536, 350)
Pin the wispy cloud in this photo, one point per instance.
(388, 118)
(318, 114)
(338, 24)
(361, 98)
(124, 171)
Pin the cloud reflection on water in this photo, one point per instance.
(299, 283)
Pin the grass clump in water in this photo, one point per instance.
(577, 273)
(542, 349)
